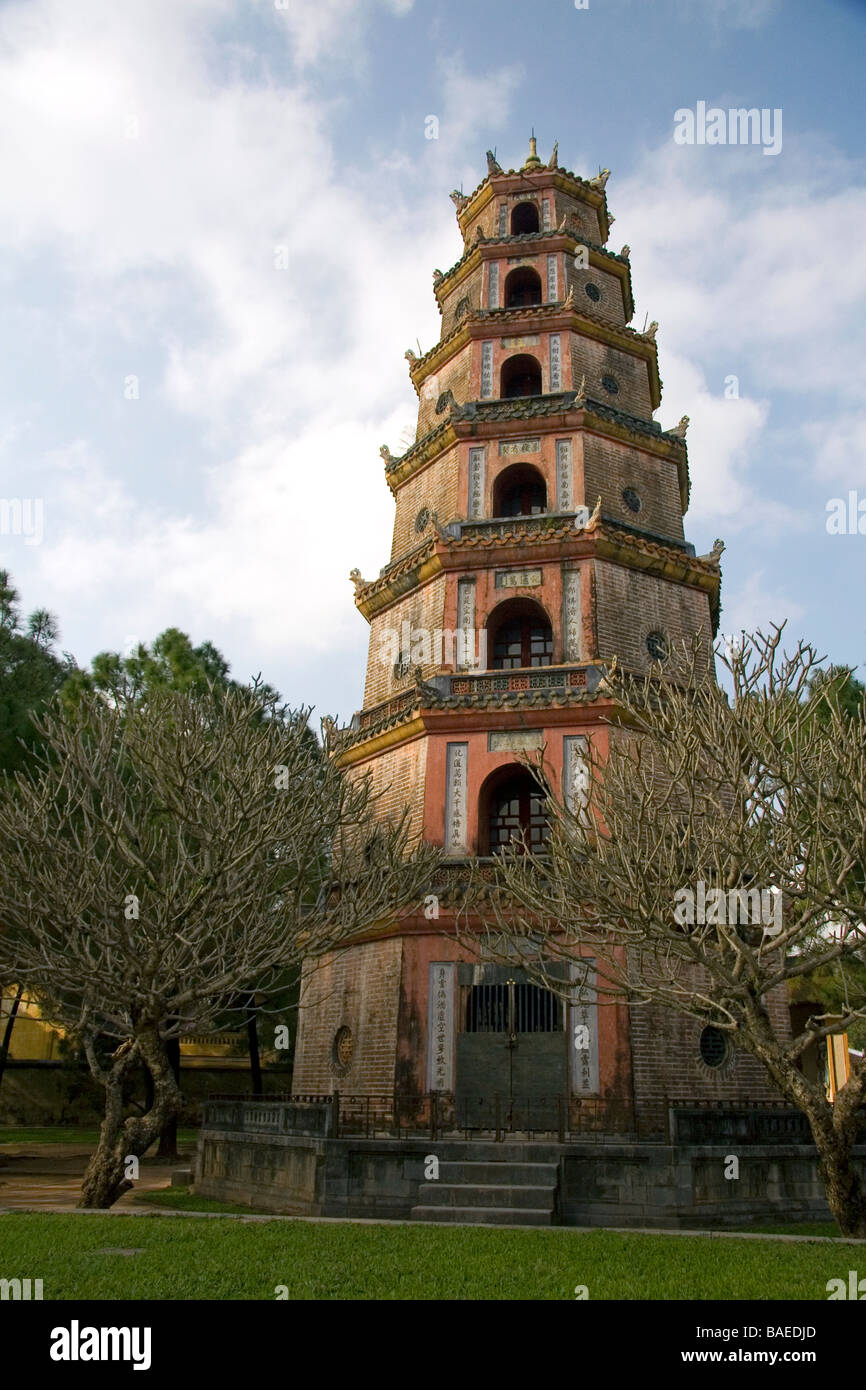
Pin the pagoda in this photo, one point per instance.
(538, 534)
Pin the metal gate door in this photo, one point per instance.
(511, 1055)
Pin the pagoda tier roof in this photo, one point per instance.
(515, 180)
(548, 690)
(479, 323)
(478, 418)
(539, 540)
(474, 254)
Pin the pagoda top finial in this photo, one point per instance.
(532, 161)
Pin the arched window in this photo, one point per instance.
(512, 808)
(519, 635)
(520, 376)
(524, 218)
(522, 287)
(519, 491)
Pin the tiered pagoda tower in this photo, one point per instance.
(540, 510)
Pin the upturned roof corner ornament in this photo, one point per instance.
(553, 162)
(385, 453)
(610, 219)
(680, 429)
(561, 225)
(626, 251)
(715, 554)
(493, 165)
(600, 180)
(580, 393)
(568, 302)
(651, 331)
(410, 355)
(358, 580)
(437, 276)
(458, 199)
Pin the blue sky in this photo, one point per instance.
(203, 427)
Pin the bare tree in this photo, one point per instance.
(717, 854)
(167, 858)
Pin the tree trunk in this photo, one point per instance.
(843, 1185)
(253, 1042)
(168, 1138)
(7, 1032)
(119, 1140)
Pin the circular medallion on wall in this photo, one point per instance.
(422, 520)
(610, 384)
(592, 291)
(631, 499)
(343, 1049)
(462, 309)
(657, 646)
(715, 1048)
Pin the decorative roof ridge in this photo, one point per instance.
(529, 236)
(405, 563)
(557, 306)
(428, 697)
(650, 547)
(395, 461)
(515, 173)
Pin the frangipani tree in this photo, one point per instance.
(166, 857)
(708, 804)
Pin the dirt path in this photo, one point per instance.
(49, 1175)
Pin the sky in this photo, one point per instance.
(218, 225)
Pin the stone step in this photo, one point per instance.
(484, 1216)
(503, 1173)
(437, 1194)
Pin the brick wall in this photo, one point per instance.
(666, 1060)
(424, 610)
(469, 287)
(397, 778)
(454, 376)
(608, 467)
(631, 605)
(437, 488)
(610, 305)
(359, 989)
(595, 360)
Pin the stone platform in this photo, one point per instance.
(598, 1181)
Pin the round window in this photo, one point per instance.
(422, 520)
(344, 1047)
(631, 499)
(610, 384)
(462, 308)
(592, 291)
(657, 646)
(715, 1048)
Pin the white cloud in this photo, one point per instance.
(756, 604)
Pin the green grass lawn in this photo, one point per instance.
(71, 1134)
(181, 1199)
(214, 1258)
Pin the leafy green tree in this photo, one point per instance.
(30, 674)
